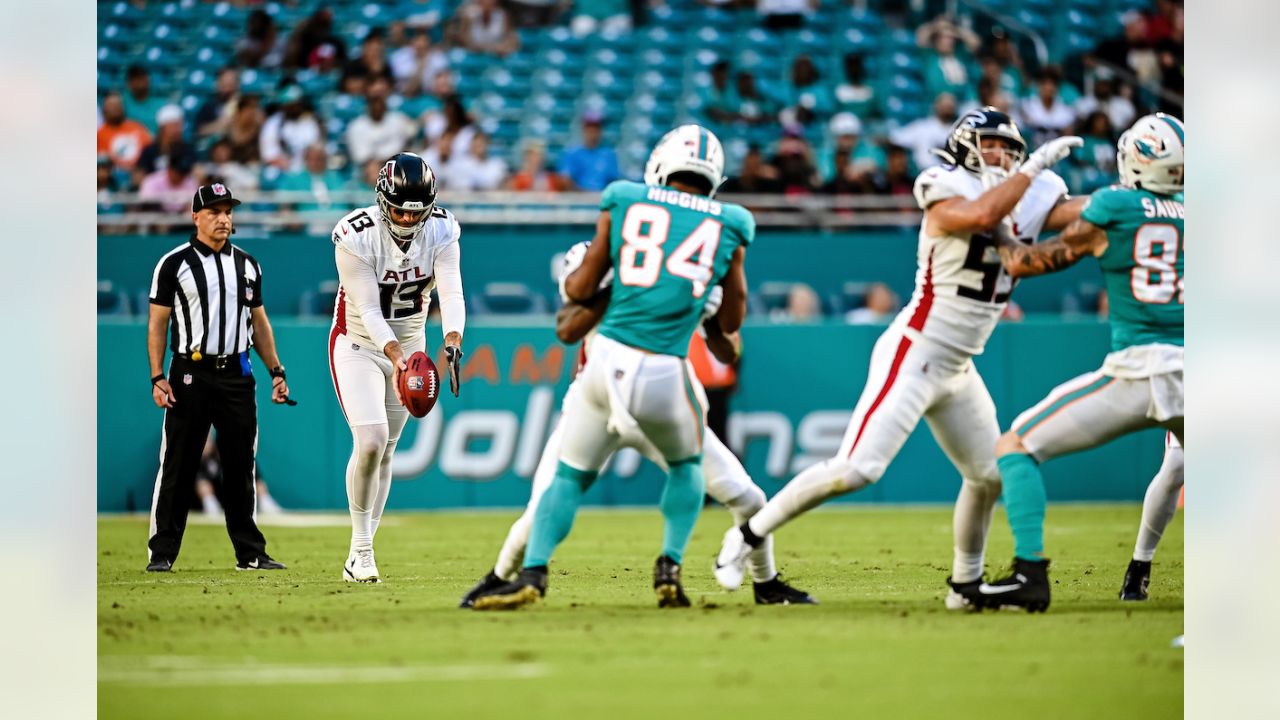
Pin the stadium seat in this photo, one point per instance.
(508, 298)
(112, 300)
(320, 301)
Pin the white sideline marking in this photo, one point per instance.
(174, 671)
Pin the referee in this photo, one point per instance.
(206, 295)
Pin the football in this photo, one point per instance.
(420, 384)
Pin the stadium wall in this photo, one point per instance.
(798, 385)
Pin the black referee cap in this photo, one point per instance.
(212, 194)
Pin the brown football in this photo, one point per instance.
(420, 384)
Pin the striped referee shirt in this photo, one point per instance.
(211, 293)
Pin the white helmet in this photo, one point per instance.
(1149, 154)
(688, 148)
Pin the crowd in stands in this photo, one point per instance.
(341, 97)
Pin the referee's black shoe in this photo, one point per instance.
(160, 564)
(262, 562)
(778, 592)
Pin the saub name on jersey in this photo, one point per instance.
(1153, 208)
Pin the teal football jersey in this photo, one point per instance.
(1142, 265)
(668, 247)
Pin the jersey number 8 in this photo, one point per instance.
(644, 231)
(1155, 277)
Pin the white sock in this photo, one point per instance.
(970, 523)
(760, 561)
(1160, 504)
(806, 491)
(384, 488)
(210, 505)
(363, 470)
(511, 556)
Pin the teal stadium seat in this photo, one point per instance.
(112, 300)
(508, 298)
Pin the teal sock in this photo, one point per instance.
(1024, 501)
(556, 509)
(681, 504)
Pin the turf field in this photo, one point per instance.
(209, 642)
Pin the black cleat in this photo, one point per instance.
(262, 562)
(526, 589)
(160, 564)
(487, 583)
(1136, 580)
(963, 595)
(666, 583)
(778, 592)
(1026, 587)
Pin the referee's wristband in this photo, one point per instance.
(157, 379)
(278, 372)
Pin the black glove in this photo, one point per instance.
(453, 354)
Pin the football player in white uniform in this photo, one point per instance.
(389, 257)
(922, 366)
(727, 482)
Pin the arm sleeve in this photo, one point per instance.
(1097, 211)
(256, 284)
(163, 283)
(361, 287)
(934, 185)
(448, 271)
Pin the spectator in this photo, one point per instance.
(803, 305)
(926, 134)
(754, 106)
(1118, 108)
(397, 37)
(1045, 116)
(450, 124)
(990, 94)
(379, 133)
(591, 165)
(855, 94)
(718, 98)
(605, 16)
(474, 169)
(139, 103)
(245, 129)
(1005, 52)
(794, 160)
(260, 47)
(1169, 61)
(289, 131)
(755, 176)
(719, 380)
(120, 139)
(898, 177)
(878, 306)
(215, 114)
(1131, 50)
(107, 187)
(846, 129)
(944, 70)
(170, 139)
(784, 14)
(1096, 159)
(416, 65)
(424, 13)
(171, 188)
(534, 173)
(847, 178)
(534, 13)
(366, 177)
(484, 27)
(315, 177)
(304, 49)
(223, 167)
(996, 87)
(807, 99)
(371, 64)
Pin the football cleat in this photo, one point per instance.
(666, 583)
(262, 562)
(1026, 587)
(526, 589)
(961, 595)
(487, 583)
(1136, 580)
(160, 564)
(360, 567)
(778, 592)
(731, 563)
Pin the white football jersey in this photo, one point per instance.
(961, 287)
(404, 277)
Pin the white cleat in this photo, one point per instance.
(731, 563)
(360, 567)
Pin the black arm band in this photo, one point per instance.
(278, 372)
(157, 379)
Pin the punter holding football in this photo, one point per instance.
(389, 256)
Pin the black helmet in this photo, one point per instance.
(406, 182)
(964, 144)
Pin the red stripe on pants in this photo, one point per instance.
(888, 384)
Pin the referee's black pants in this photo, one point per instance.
(224, 398)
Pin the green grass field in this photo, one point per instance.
(209, 642)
